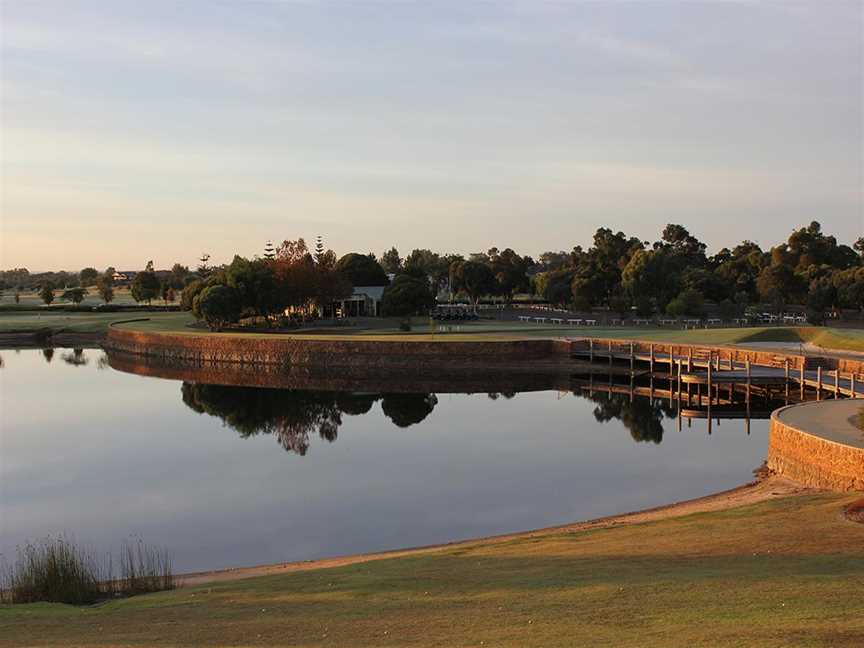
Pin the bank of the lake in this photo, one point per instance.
(782, 572)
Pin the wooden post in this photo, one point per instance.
(632, 358)
(690, 359)
(801, 379)
(749, 376)
(671, 360)
(852, 384)
(651, 360)
(819, 383)
(679, 385)
(786, 375)
(709, 384)
(591, 350)
(610, 354)
(836, 384)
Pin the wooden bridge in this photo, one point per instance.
(713, 366)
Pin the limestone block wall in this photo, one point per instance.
(287, 351)
(812, 460)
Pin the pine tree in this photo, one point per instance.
(203, 268)
(319, 249)
(269, 251)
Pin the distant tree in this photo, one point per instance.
(179, 273)
(75, 295)
(190, 292)
(557, 288)
(145, 285)
(510, 271)
(476, 279)
(821, 296)
(255, 283)
(166, 291)
(620, 305)
(778, 284)
(46, 292)
(105, 286)
(728, 309)
(217, 305)
(406, 296)
(88, 276)
(689, 302)
(644, 306)
(203, 269)
(17, 296)
(391, 261)
(362, 270)
(859, 248)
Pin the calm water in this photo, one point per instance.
(227, 476)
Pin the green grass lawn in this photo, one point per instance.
(838, 339)
(57, 320)
(122, 296)
(829, 338)
(789, 572)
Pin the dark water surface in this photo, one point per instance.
(229, 476)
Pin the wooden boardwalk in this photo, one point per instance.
(714, 365)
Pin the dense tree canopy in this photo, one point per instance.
(362, 270)
(407, 295)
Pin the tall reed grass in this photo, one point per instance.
(56, 570)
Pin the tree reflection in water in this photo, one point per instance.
(643, 418)
(76, 358)
(291, 416)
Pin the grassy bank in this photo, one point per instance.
(58, 321)
(787, 572)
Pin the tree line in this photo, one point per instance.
(673, 275)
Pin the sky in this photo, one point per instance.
(134, 131)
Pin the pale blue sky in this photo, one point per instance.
(135, 131)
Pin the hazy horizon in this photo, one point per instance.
(132, 132)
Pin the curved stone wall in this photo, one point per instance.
(295, 351)
(808, 457)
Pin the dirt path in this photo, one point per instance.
(770, 488)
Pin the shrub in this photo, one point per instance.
(55, 570)
(217, 305)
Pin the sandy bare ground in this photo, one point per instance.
(769, 488)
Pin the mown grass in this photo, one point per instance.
(835, 339)
(781, 573)
(177, 322)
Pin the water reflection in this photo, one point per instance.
(76, 358)
(518, 452)
(48, 354)
(293, 415)
(643, 417)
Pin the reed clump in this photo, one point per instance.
(55, 569)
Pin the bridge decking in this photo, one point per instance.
(715, 365)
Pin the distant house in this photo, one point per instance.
(365, 301)
(123, 277)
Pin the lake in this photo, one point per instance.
(228, 476)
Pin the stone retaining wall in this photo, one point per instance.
(812, 460)
(417, 356)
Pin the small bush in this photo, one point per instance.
(56, 570)
(144, 569)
